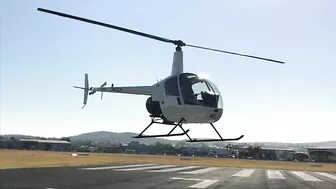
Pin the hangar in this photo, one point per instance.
(322, 154)
(53, 145)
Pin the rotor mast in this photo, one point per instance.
(177, 67)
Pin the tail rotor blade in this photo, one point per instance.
(103, 85)
(86, 90)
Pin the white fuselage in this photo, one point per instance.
(179, 96)
(174, 107)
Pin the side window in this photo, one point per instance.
(171, 87)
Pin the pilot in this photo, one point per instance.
(188, 93)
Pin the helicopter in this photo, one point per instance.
(180, 98)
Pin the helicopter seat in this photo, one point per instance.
(210, 100)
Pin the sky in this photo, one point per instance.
(42, 56)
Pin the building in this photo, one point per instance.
(220, 152)
(301, 156)
(322, 154)
(264, 153)
(285, 154)
(52, 145)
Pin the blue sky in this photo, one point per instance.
(43, 56)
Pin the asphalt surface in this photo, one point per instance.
(143, 176)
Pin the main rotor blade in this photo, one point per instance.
(250, 56)
(176, 42)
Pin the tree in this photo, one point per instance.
(66, 139)
(256, 152)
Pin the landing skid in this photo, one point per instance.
(179, 124)
(185, 132)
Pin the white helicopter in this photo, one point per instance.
(180, 98)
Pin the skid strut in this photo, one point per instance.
(163, 135)
(185, 132)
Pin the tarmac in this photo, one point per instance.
(152, 176)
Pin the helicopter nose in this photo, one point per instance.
(216, 114)
(213, 116)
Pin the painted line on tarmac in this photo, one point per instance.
(305, 176)
(203, 183)
(244, 173)
(205, 170)
(273, 174)
(326, 175)
(115, 167)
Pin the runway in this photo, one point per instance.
(150, 176)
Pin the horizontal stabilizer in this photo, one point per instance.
(79, 87)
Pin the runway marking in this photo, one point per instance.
(305, 176)
(205, 170)
(244, 173)
(272, 174)
(145, 168)
(203, 184)
(115, 167)
(173, 169)
(326, 175)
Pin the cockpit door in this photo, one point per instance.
(198, 92)
(200, 100)
(172, 102)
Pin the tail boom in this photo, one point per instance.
(135, 90)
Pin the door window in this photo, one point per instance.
(171, 87)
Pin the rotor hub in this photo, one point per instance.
(179, 43)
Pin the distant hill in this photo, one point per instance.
(112, 137)
(126, 137)
(322, 144)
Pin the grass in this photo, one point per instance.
(29, 159)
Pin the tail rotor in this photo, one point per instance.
(103, 85)
(86, 89)
(91, 89)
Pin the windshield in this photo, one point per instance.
(217, 92)
(196, 91)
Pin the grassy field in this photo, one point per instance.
(28, 159)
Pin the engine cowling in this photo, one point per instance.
(153, 107)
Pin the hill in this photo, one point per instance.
(126, 137)
(104, 136)
(112, 137)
